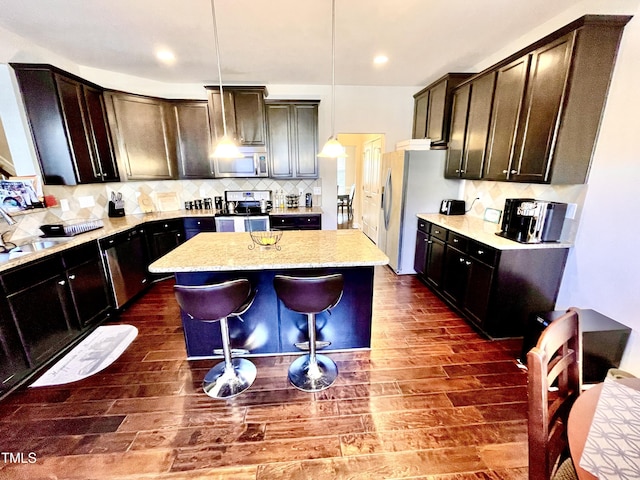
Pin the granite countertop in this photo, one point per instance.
(227, 251)
(116, 225)
(484, 232)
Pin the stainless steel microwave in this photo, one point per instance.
(251, 165)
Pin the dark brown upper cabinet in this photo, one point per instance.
(507, 102)
(471, 111)
(244, 114)
(68, 124)
(194, 141)
(293, 139)
(432, 108)
(145, 136)
(548, 103)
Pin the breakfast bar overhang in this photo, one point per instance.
(268, 327)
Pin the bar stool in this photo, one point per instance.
(311, 295)
(214, 303)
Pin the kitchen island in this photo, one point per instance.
(268, 327)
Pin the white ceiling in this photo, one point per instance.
(278, 41)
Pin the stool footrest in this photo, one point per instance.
(234, 351)
(305, 345)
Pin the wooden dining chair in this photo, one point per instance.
(554, 382)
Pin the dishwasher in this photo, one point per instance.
(125, 260)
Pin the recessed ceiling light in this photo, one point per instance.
(165, 56)
(380, 59)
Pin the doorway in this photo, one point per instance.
(361, 170)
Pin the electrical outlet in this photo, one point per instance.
(317, 190)
(571, 211)
(64, 205)
(86, 201)
(300, 191)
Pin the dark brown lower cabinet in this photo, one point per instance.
(495, 290)
(312, 221)
(48, 305)
(13, 362)
(88, 283)
(40, 305)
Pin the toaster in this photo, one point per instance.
(452, 207)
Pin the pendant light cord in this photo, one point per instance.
(333, 68)
(215, 35)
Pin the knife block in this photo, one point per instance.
(116, 209)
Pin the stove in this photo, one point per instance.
(250, 211)
(246, 202)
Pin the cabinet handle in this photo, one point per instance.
(437, 231)
(467, 263)
(62, 282)
(455, 240)
(461, 260)
(457, 170)
(72, 277)
(480, 252)
(429, 241)
(512, 172)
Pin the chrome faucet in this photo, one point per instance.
(7, 218)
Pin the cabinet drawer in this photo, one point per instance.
(163, 226)
(458, 241)
(35, 272)
(309, 221)
(423, 225)
(483, 253)
(439, 232)
(80, 254)
(282, 221)
(204, 224)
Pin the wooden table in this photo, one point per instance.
(580, 419)
(267, 327)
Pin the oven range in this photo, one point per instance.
(244, 211)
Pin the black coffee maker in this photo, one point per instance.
(527, 220)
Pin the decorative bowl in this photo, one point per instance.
(265, 239)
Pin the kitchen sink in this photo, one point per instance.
(36, 246)
(31, 247)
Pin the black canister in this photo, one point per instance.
(308, 200)
(218, 203)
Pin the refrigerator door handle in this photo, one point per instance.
(386, 200)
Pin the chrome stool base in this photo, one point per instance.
(221, 382)
(304, 377)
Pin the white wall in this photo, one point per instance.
(603, 271)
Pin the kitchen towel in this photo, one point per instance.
(612, 450)
(95, 353)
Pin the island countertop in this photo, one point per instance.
(229, 251)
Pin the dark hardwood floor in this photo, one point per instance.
(432, 399)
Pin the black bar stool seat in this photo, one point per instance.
(311, 295)
(215, 303)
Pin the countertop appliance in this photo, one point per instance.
(253, 164)
(125, 259)
(452, 207)
(413, 183)
(527, 220)
(250, 211)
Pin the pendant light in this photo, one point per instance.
(333, 148)
(225, 148)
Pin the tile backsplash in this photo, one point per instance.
(493, 195)
(91, 201)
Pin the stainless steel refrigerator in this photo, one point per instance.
(413, 182)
